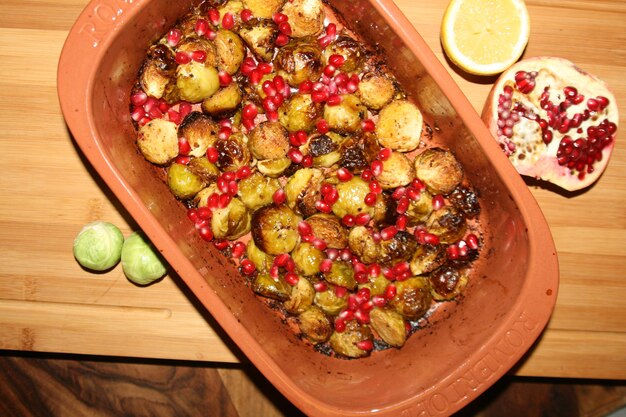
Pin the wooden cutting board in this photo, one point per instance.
(48, 192)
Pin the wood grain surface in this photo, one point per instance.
(48, 192)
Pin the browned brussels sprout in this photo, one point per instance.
(342, 274)
(299, 61)
(307, 258)
(345, 117)
(275, 229)
(263, 8)
(352, 198)
(183, 183)
(447, 283)
(199, 43)
(195, 82)
(257, 190)
(260, 36)
(389, 325)
(420, 209)
(158, 141)
(363, 245)
(261, 260)
(224, 102)
(397, 249)
(328, 228)
(232, 152)
(269, 140)
(303, 190)
(267, 286)
(299, 113)
(399, 126)
(232, 221)
(397, 171)
(447, 223)
(200, 131)
(306, 17)
(158, 71)
(347, 343)
(376, 90)
(439, 170)
(301, 298)
(204, 168)
(413, 297)
(427, 258)
(230, 51)
(315, 325)
(330, 302)
(349, 48)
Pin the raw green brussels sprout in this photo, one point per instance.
(196, 82)
(301, 297)
(299, 61)
(158, 141)
(299, 113)
(183, 183)
(232, 221)
(267, 286)
(275, 229)
(345, 117)
(352, 198)
(389, 325)
(345, 343)
(413, 297)
(257, 190)
(439, 170)
(98, 246)
(315, 325)
(307, 258)
(447, 283)
(141, 262)
(342, 274)
(329, 302)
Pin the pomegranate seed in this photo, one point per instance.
(265, 68)
(363, 318)
(319, 96)
(198, 56)
(272, 116)
(304, 228)
(334, 100)
(220, 244)
(326, 265)
(340, 325)
(279, 18)
(367, 306)
(139, 98)
(413, 194)
(246, 15)
(174, 36)
(305, 87)
(453, 252)
(377, 168)
(322, 126)
(204, 213)
(214, 16)
(324, 41)
(247, 66)
(319, 244)
(361, 277)
(336, 60)
(346, 255)
(295, 155)
(379, 301)
(368, 125)
(182, 58)
(268, 88)
(202, 27)
(323, 206)
(329, 71)
(249, 111)
(239, 248)
(279, 196)
(438, 202)
(366, 175)
(348, 220)
(255, 76)
(362, 219)
(183, 159)
(346, 315)
(384, 154)
(341, 291)
(320, 286)
(243, 172)
(388, 233)
(228, 21)
(472, 241)
(248, 267)
(184, 109)
(389, 273)
(213, 200)
(233, 188)
(344, 174)
(212, 154)
(370, 199)
(155, 113)
(144, 120)
(224, 200)
(274, 272)
(375, 187)
(284, 28)
(374, 270)
(430, 239)
(332, 253)
(292, 278)
(403, 205)
(138, 113)
(174, 116)
(206, 233)
(192, 214)
(224, 133)
(398, 193)
(331, 29)
(225, 78)
(331, 196)
(183, 146)
(269, 105)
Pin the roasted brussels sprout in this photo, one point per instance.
(195, 82)
(399, 126)
(399, 248)
(363, 244)
(439, 170)
(275, 229)
(385, 210)
(447, 283)
(352, 198)
(273, 168)
(202, 197)
(257, 190)
(427, 258)
(397, 171)
(376, 90)
(268, 140)
(299, 61)
(267, 286)
(466, 200)
(447, 223)
(345, 117)
(354, 155)
(183, 183)
(330, 302)
(306, 17)
(420, 209)
(299, 113)
(232, 152)
(342, 274)
(158, 71)
(377, 285)
(230, 51)
(261, 260)
(346, 343)
(413, 297)
(232, 221)
(263, 8)
(199, 43)
(200, 131)
(314, 324)
(301, 298)
(352, 51)
(328, 228)
(224, 102)
(303, 190)
(204, 168)
(389, 325)
(260, 36)
(325, 149)
(307, 258)
(158, 141)
(234, 8)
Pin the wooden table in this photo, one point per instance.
(48, 192)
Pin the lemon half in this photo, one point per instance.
(485, 37)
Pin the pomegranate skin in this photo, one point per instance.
(541, 110)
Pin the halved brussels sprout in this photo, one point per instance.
(377, 285)
(200, 132)
(195, 82)
(204, 168)
(234, 7)
(230, 51)
(400, 247)
(183, 183)
(224, 102)
(260, 36)
(397, 171)
(273, 168)
(345, 117)
(232, 152)
(199, 43)
(342, 274)
(325, 149)
(261, 260)
(158, 71)
(306, 17)
(275, 229)
(329, 228)
(232, 221)
(158, 141)
(363, 245)
(389, 325)
(420, 209)
(257, 190)
(439, 170)
(413, 297)
(299, 61)
(376, 90)
(303, 190)
(307, 258)
(301, 298)
(202, 197)
(447, 283)
(427, 258)
(263, 8)
(329, 302)
(267, 286)
(268, 140)
(350, 49)
(314, 324)
(346, 342)
(299, 113)
(399, 126)
(448, 223)
(352, 198)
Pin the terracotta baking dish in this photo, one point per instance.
(467, 346)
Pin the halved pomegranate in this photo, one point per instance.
(554, 121)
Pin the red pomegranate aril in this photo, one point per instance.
(224, 133)
(377, 168)
(413, 193)
(182, 159)
(368, 125)
(323, 206)
(155, 113)
(305, 87)
(228, 21)
(278, 99)
(430, 239)
(220, 244)
(398, 193)
(183, 146)
(268, 88)
(340, 291)
(204, 213)
(390, 291)
(247, 66)
(292, 278)
(453, 252)
(370, 199)
(379, 301)
(343, 174)
(225, 78)
(363, 318)
(213, 201)
(346, 255)
(340, 325)
(265, 68)
(322, 126)
(375, 187)
(173, 37)
(438, 202)
(281, 40)
(255, 76)
(388, 232)
(139, 98)
(238, 249)
(206, 233)
(279, 18)
(304, 228)
(138, 113)
(366, 175)
(324, 41)
(274, 272)
(272, 116)
(269, 105)
(192, 214)
(224, 200)
(200, 223)
(334, 100)
(403, 205)
(247, 267)
(144, 120)
(472, 241)
(295, 155)
(362, 219)
(348, 220)
(284, 28)
(602, 101)
(174, 116)
(384, 154)
(279, 196)
(366, 345)
(319, 96)
(233, 188)
(401, 222)
(246, 15)
(182, 58)
(401, 267)
(326, 265)
(243, 172)
(212, 154)
(249, 111)
(336, 60)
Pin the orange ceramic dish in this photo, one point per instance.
(467, 345)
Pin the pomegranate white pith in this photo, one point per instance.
(554, 121)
